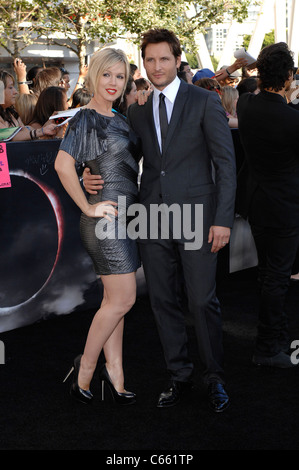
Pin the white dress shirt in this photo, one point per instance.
(170, 93)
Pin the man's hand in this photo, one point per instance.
(219, 236)
(92, 183)
(142, 96)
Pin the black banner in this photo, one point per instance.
(44, 269)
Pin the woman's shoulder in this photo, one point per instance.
(86, 120)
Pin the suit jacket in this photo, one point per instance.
(198, 140)
(268, 129)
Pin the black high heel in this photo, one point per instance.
(121, 398)
(84, 396)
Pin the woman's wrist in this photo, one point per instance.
(36, 133)
(33, 135)
(25, 82)
(87, 209)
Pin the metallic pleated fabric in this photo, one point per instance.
(108, 147)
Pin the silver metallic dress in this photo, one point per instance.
(109, 148)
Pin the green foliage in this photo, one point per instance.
(17, 20)
(268, 39)
(192, 60)
(81, 21)
(215, 62)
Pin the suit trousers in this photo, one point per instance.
(161, 260)
(276, 248)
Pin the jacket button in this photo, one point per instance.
(163, 173)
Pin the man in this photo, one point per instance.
(268, 129)
(65, 79)
(185, 68)
(177, 169)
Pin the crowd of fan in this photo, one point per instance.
(42, 92)
(31, 97)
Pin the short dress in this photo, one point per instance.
(109, 148)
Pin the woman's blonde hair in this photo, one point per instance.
(102, 60)
(229, 97)
(25, 105)
(50, 76)
(4, 76)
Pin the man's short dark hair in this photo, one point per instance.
(274, 64)
(155, 36)
(183, 64)
(133, 69)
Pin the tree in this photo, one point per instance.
(75, 23)
(184, 17)
(17, 25)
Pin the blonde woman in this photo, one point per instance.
(25, 106)
(229, 98)
(50, 76)
(101, 139)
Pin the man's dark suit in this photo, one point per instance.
(268, 129)
(198, 135)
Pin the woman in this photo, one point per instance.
(65, 79)
(10, 118)
(210, 84)
(81, 97)
(8, 115)
(50, 76)
(229, 98)
(50, 101)
(25, 105)
(130, 97)
(102, 140)
(142, 84)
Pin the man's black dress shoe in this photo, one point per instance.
(172, 395)
(218, 398)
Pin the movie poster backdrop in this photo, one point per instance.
(44, 268)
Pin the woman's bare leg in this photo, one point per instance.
(119, 297)
(113, 351)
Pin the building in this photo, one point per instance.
(217, 35)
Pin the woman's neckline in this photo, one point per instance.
(101, 114)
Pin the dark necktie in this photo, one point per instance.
(163, 119)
